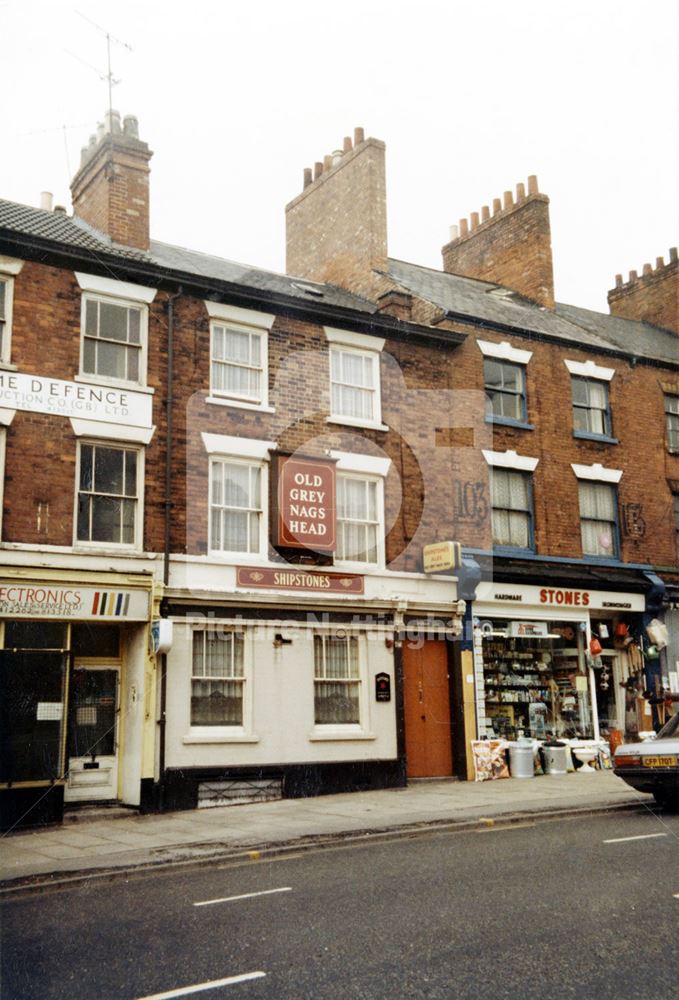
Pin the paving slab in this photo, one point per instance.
(125, 839)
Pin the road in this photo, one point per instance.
(551, 911)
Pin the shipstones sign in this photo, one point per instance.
(305, 504)
(294, 579)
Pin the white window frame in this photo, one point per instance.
(9, 268)
(366, 468)
(117, 293)
(671, 417)
(136, 545)
(348, 730)
(359, 344)
(224, 734)
(247, 321)
(239, 554)
(247, 451)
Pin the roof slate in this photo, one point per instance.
(465, 297)
(73, 232)
(494, 304)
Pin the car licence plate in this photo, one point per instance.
(659, 761)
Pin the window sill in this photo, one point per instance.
(601, 438)
(220, 736)
(7, 366)
(510, 550)
(358, 567)
(339, 734)
(239, 404)
(107, 548)
(519, 425)
(112, 383)
(372, 425)
(239, 558)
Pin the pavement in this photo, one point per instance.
(103, 842)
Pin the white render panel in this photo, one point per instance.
(347, 338)
(597, 472)
(510, 460)
(117, 289)
(505, 351)
(588, 369)
(239, 316)
(282, 683)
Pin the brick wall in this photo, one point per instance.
(432, 404)
(652, 297)
(111, 189)
(511, 247)
(336, 229)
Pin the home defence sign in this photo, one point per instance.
(75, 399)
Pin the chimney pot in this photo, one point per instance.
(131, 126)
(647, 269)
(508, 199)
(327, 161)
(533, 185)
(359, 136)
(485, 214)
(659, 263)
(475, 220)
(497, 206)
(46, 201)
(336, 156)
(454, 232)
(347, 144)
(520, 192)
(61, 209)
(318, 169)
(101, 131)
(307, 177)
(673, 253)
(633, 276)
(464, 227)
(618, 281)
(112, 120)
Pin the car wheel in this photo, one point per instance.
(668, 800)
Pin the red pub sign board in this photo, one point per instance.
(305, 515)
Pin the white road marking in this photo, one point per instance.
(246, 895)
(200, 987)
(643, 836)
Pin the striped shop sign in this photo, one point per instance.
(110, 603)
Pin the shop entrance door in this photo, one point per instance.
(427, 711)
(93, 734)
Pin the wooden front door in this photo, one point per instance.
(427, 711)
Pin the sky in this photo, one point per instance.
(470, 97)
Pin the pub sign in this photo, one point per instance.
(305, 507)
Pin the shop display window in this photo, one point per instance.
(536, 680)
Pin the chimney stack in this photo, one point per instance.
(110, 191)
(336, 229)
(652, 297)
(511, 247)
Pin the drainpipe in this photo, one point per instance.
(169, 404)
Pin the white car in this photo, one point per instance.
(653, 766)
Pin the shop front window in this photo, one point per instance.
(536, 680)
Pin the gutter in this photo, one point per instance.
(552, 338)
(247, 296)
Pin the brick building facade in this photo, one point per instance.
(164, 645)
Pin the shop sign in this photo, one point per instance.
(305, 504)
(81, 603)
(441, 556)
(382, 687)
(558, 597)
(538, 629)
(75, 399)
(294, 579)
